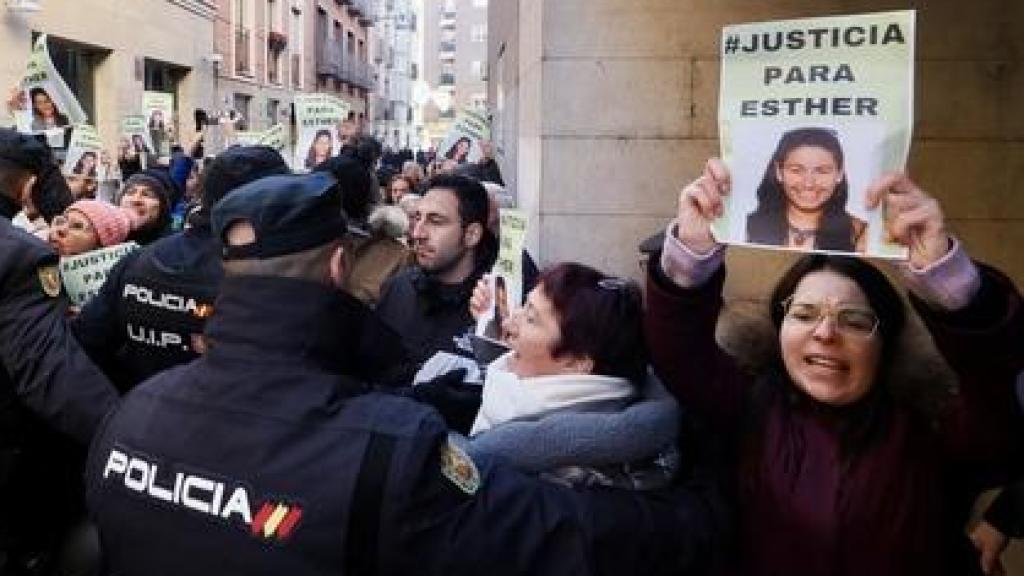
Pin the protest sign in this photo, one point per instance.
(135, 129)
(84, 151)
(158, 109)
(84, 274)
(462, 143)
(317, 117)
(48, 105)
(811, 111)
(275, 137)
(506, 278)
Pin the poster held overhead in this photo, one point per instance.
(462, 143)
(135, 130)
(84, 150)
(158, 109)
(317, 117)
(812, 111)
(47, 104)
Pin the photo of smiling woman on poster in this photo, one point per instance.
(801, 200)
(45, 114)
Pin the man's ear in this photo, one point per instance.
(25, 193)
(338, 267)
(473, 234)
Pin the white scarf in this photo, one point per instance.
(508, 397)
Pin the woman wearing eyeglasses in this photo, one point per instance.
(89, 225)
(831, 472)
(801, 201)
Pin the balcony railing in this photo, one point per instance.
(334, 61)
(243, 44)
(446, 80)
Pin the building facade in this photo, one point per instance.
(269, 50)
(604, 109)
(454, 61)
(109, 52)
(395, 57)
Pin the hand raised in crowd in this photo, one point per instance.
(481, 300)
(16, 99)
(912, 217)
(701, 202)
(990, 544)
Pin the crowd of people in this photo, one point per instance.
(239, 397)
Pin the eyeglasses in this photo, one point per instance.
(849, 320)
(73, 225)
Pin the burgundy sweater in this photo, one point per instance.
(899, 507)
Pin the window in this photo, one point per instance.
(479, 3)
(77, 65)
(479, 69)
(273, 107)
(243, 38)
(479, 33)
(479, 101)
(241, 105)
(296, 48)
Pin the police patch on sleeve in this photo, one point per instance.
(49, 279)
(459, 468)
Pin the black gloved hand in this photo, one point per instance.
(457, 401)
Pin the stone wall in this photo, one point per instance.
(617, 109)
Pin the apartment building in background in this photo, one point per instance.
(454, 61)
(272, 49)
(397, 39)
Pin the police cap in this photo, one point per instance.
(24, 151)
(288, 214)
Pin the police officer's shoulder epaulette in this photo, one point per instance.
(458, 467)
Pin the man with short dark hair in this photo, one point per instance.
(265, 456)
(428, 304)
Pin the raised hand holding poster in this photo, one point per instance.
(811, 112)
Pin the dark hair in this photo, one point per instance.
(311, 155)
(450, 154)
(80, 165)
(866, 418)
(599, 317)
(61, 119)
(387, 195)
(138, 142)
(768, 223)
(471, 194)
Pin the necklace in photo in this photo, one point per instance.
(801, 235)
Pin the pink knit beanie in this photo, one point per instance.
(112, 223)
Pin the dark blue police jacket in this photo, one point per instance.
(262, 457)
(40, 468)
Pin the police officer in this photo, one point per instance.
(149, 314)
(265, 457)
(40, 468)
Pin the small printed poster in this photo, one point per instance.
(811, 112)
(462, 143)
(84, 274)
(84, 152)
(506, 278)
(135, 130)
(317, 117)
(158, 109)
